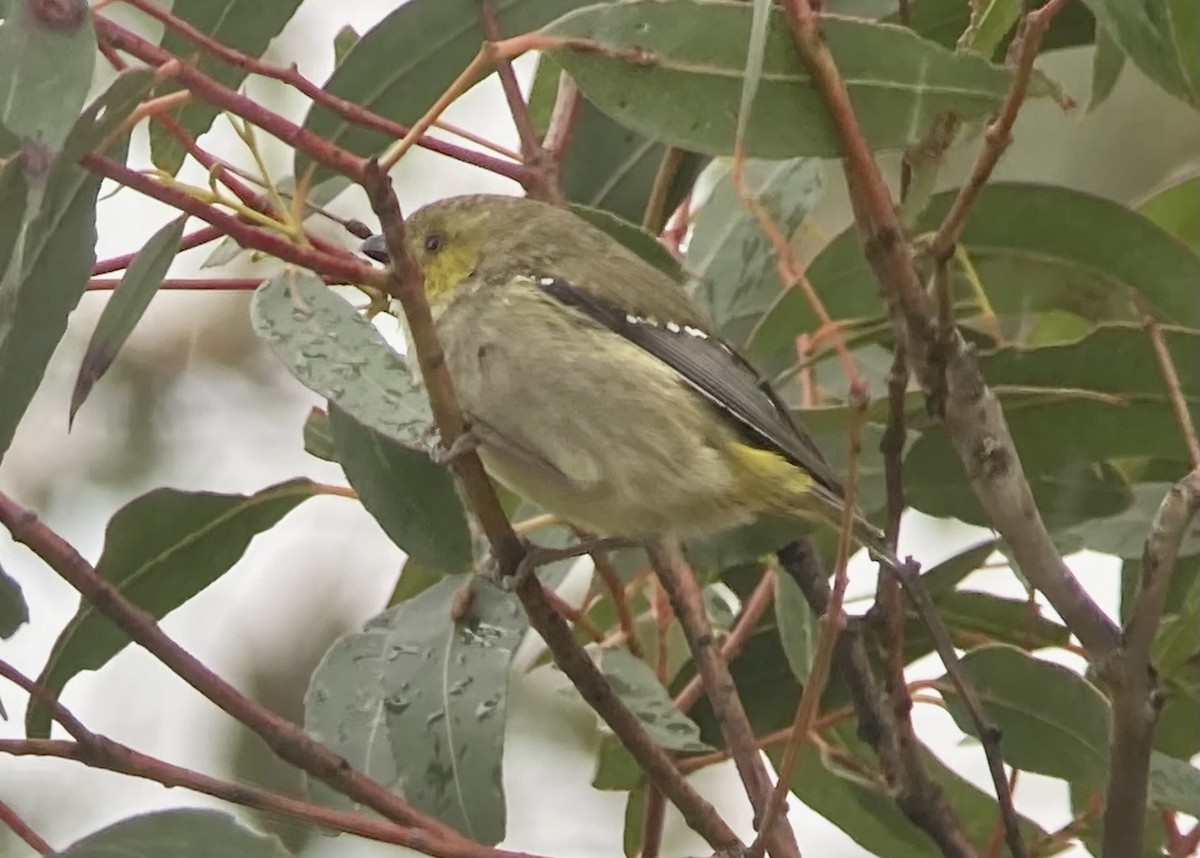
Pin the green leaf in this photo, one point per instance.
(47, 276)
(343, 40)
(635, 683)
(412, 498)
(46, 63)
(797, 626)
(417, 701)
(944, 577)
(612, 168)
(1159, 36)
(867, 812)
(634, 238)
(972, 618)
(178, 833)
(14, 613)
(414, 580)
(1035, 248)
(1107, 65)
(947, 21)
(1124, 535)
(247, 26)
(160, 550)
(318, 441)
(635, 821)
(1174, 785)
(1176, 208)
(663, 64)
(13, 192)
(730, 254)
(405, 62)
(990, 22)
(1063, 735)
(125, 308)
(333, 350)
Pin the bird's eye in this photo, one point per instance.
(433, 243)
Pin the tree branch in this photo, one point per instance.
(288, 741)
(666, 556)
(19, 827)
(1133, 686)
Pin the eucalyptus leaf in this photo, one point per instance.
(333, 350)
(14, 613)
(413, 499)
(46, 63)
(673, 70)
(417, 700)
(179, 833)
(129, 300)
(246, 26)
(1159, 36)
(160, 550)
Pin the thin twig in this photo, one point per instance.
(348, 110)
(833, 620)
(607, 573)
(920, 798)
(654, 219)
(666, 556)
(1166, 365)
(10, 818)
(999, 132)
(568, 101)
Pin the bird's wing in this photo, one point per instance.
(712, 368)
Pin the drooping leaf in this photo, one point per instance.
(47, 54)
(125, 307)
(945, 576)
(1035, 248)
(1107, 65)
(334, 351)
(160, 550)
(664, 64)
(974, 619)
(417, 701)
(318, 441)
(730, 253)
(1124, 535)
(1064, 734)
(14, 613)
(181, 833)
(1159, 36)
(412, 498)
(1176, 209)
(401, 65)
(635, 683)
(48, 273)
(869, 815)
(797, 626)
(247, 26)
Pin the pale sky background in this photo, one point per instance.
(196, 403)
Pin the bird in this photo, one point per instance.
(594, 386)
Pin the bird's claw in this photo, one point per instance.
(465, 443)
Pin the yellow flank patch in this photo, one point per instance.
(768, 481)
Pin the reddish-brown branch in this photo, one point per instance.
(186, 284)
(344, 267)
(607, 573)
(1188, 843)
(10, 818)
(287, 740)
(348, 110)
(103, 753)
(678, 579)
(212, 92)
(999, 132)
(1166, 365)
(192, 240)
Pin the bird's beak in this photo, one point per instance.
(376, 248)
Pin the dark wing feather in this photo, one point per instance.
(715, 370)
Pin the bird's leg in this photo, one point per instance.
(537, 556)
(465, 443)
